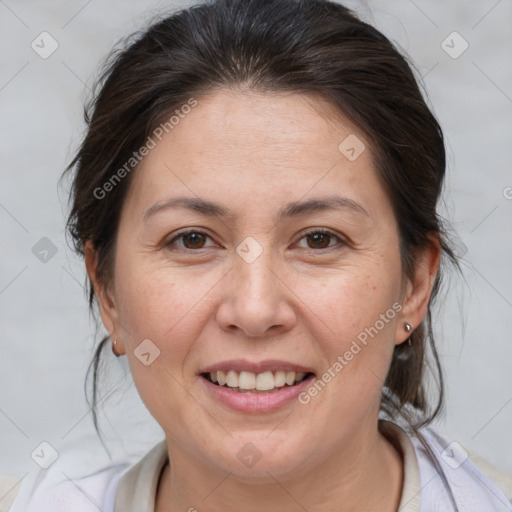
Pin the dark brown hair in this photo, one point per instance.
(302, 46)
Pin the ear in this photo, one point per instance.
(106, 300)
(418, 290)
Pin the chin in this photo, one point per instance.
(262, 458)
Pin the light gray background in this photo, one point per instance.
(46, 335)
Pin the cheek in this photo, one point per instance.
(356, 333)
(162, 306)
(158, 301)
(353, 301)
(152, 306)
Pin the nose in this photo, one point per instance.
(256, 300)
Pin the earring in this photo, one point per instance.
(408, 328)
(114, 348)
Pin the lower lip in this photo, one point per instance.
(256, 402)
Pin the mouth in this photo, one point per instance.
(256, 383)
(255, 387)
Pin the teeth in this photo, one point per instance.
(290, 378)
(279, 379)
(247, 380)
(232, 379)
(265, 381)
(221, 377)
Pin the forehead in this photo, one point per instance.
(251, 124)
(247, 146)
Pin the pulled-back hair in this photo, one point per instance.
(302, 46)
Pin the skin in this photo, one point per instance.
(302, 300)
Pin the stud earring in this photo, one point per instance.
(408, 328)
(114, 348)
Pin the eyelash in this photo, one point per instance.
(169, 244)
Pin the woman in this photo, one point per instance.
(255, 200)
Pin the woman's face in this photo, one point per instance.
(257, 287)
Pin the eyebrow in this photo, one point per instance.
(293, 209)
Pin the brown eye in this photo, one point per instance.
(190, 240)
(193, 240)
(320, 239)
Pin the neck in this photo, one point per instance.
(367, 475)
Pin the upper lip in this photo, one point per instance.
(269, 365)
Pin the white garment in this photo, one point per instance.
(56, 490)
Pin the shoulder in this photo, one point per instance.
(470, 487)
(59, 488)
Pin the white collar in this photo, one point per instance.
(136, 491)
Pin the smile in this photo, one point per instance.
(250, 382)
(255, 388)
